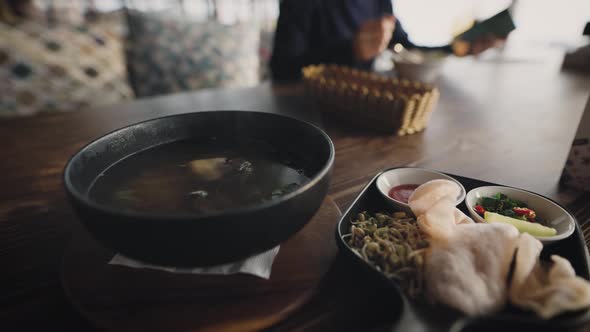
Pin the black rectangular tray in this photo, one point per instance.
(414, 316)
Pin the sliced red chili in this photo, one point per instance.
(528, 213)
(479, 209)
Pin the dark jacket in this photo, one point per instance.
(322, 31)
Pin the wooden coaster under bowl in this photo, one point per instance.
(127, 299)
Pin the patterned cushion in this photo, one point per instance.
(167, 54)
(59, 68)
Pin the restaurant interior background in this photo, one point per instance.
(428, 22)
(93, 75)
(543, 27)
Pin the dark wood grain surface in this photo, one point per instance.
(506, 122)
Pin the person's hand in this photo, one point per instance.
(462, 47)
(373, 37)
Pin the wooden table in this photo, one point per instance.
(503, 121)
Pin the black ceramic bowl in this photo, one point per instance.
(202, 239)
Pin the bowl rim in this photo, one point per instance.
(558, 236)
(444, 176)
(183, 216)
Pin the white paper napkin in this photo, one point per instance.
(259, 265)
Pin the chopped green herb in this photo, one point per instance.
(245, 167)
(506, 206)
(126, 195)
(291, 187)
(199, 193)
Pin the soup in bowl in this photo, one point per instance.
(202, 188)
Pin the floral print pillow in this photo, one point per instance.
(59, 68)
(168, 54)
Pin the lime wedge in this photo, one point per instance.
(532, 228)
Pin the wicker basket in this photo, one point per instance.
(370, 100)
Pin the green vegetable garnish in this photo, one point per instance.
(291, 187)
(126, 195)
(506, 206)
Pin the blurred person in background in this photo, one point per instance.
(345, 32)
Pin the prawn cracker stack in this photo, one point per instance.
(370, 100)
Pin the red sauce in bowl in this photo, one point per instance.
(402, 192)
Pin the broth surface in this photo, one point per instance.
(198, 176)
